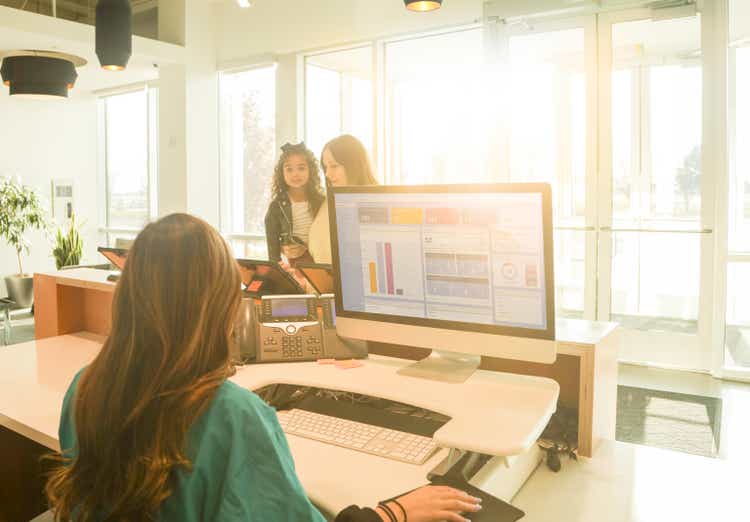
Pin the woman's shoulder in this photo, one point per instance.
(233, 399)
(279, 200)
(274, 207)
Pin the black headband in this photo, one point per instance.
(290, 147)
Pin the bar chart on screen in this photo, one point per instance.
(392, 266)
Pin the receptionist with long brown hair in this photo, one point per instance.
(153, 429)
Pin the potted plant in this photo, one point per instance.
(69, 247)
(20, 211)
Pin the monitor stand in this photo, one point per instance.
(450, 367)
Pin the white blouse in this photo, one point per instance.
(319, 244)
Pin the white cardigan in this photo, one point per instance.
(320, 236)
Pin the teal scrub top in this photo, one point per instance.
(242, 466)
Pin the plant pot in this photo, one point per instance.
(20, 290)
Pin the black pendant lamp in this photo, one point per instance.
(423, 6)
(39, 73)
(114, 37)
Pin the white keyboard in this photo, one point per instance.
(391, 444)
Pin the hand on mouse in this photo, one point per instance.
(432, 504)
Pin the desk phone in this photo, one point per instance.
(289, 329)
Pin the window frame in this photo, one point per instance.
(105, 229)
(304, 56)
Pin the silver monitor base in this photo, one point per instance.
(440, 366)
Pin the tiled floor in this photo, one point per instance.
(632, 483)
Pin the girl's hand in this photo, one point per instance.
(295, 274)
(283, 263)
(433, 504)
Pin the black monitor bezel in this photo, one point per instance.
(122, 252)
(541, 188)
(281, 275)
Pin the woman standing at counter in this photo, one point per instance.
(345, 162)
(153, 429)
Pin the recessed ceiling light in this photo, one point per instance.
(244, 3)
(422, 6)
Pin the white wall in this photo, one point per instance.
(188, 114)
(283, 26)
(45, 140)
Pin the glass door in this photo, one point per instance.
(653, 238)
(543, 75)
(736, 345)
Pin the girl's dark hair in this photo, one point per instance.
(313, 189)
(352, 155)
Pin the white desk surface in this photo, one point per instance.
(36, 375)
(492, 413)
(93, 278)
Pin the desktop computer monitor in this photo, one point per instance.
(465, 270)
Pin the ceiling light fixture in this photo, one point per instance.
(423, 6)
(114, 36)
(244, 3)
(39, 73)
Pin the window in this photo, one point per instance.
(608, 108)
(248, 153)
(545, 130)
(130, 152)
(450, 118)
(339, 97)
(436, 123)
(656, 175)
(737, 333)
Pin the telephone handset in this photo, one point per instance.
(246, 331)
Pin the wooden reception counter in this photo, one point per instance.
(70, 301)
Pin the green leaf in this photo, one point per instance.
(68, 246)
(20, 211)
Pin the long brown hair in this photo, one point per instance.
(352, 155)
(313, 189)
(167, 354)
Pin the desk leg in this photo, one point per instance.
(6, 326)
(21, 477)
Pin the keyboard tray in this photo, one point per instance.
(367, 414)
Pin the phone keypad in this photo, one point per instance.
(292, 344)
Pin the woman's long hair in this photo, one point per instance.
(352, 155)
(313, 189)
(168, 352)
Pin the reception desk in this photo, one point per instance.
(71, 301)
(79, 302)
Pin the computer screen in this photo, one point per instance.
(471, 257)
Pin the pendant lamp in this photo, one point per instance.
(423, 5)
(39, 74)
(114, 37)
